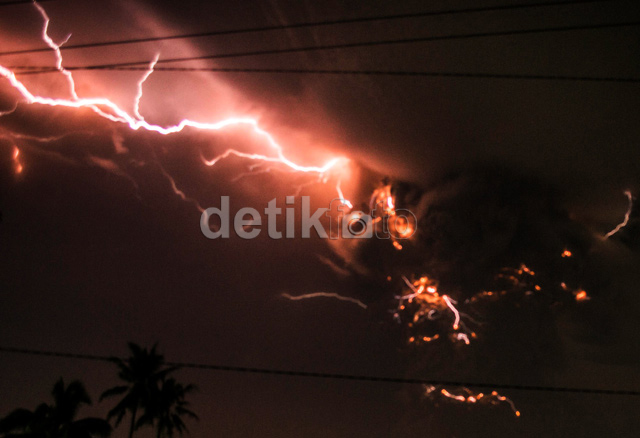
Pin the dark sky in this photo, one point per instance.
(96, 249)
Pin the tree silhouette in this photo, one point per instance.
(148, 392)
(56, 420)
(168, 407)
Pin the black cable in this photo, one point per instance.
(574, 78)
(361, 44)
(252, 370)
(21, 2)
(307, 24)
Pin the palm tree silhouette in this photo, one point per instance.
(56, 420)
(149, 393)
(141, 372)
(168, 407)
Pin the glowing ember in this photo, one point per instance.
(582, 296)
(522, 280)
(423, 307)
(465, 395)
(16, 161)
(511, 280)
(579, 294)
(399, 224)
(382, 197)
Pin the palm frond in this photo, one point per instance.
(116, 390)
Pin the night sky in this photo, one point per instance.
(97, 249)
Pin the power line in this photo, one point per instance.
(391, 73)
(352, 377)
(20, 2)
(362, 44)
(307, 24)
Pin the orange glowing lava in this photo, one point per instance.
(17, 165)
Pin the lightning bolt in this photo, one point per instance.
(324, 295)
(627, 215)
(136, 105)
(56, 49)
(107, 109)
(10, 111)
(341, 195)
(450, 302)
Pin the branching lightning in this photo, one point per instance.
(107, 109)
